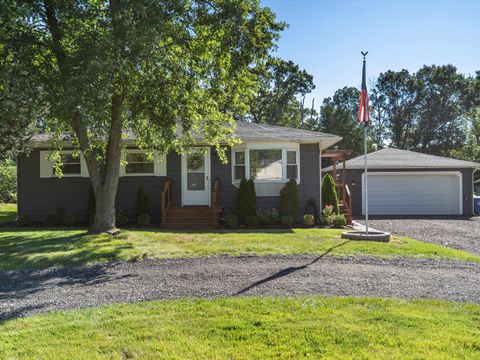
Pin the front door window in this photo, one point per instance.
(196, 171)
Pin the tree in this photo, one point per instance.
(276, 102)
(103, 67)
(339, 116)
(329, 193)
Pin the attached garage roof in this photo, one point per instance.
(392, 158)
(245, 131)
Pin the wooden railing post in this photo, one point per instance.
(166, 198)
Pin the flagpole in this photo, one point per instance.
(366, 178)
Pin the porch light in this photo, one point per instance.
(354, 183)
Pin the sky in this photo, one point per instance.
(326, 38)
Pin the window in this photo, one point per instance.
(138, 163)
(269, 164)
(292, 166)
(239, 165)
(266, 164)
(70, 164)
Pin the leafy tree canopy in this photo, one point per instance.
(100, 68)
(276, 102)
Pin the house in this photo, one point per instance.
(184, 190)
(402, 182)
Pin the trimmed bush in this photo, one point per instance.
(328, 215)
(287, 221)
(8, 181)
(308, 220)
(24, 220)
(231, 221)
(339, 221)
(289, 199)
(144, 220)
(142, 203)
(246, 201)
(251, 220)
(268, 216)
(329, 193)
(311, 209)
(121, 219)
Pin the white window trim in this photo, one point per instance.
(159, 163)
(46, 166)
(246, 147)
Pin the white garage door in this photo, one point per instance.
(414, 193)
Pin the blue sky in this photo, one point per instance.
(326, 37)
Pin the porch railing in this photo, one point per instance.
(166, 198)
(345, 198)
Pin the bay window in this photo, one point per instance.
(265, 164)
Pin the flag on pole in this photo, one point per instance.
(363, 113)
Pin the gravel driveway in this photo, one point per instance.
(461, 233)
(26, 292)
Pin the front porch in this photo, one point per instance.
(206, 217)
(343, 191)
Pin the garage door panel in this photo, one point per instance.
(414, 194)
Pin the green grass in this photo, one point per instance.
(41, 248)
(246, 328)
(8, 212)
(46, 248)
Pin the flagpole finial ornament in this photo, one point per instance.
(364, 54)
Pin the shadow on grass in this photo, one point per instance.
(45, 249)
(289, 270)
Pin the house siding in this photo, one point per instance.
(39, 197)
(356, 175)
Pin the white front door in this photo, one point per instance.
(196, 177)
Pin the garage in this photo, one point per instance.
(402, 182)
(414, 193)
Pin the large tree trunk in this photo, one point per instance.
(104, 210)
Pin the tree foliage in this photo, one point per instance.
(100, 68)
(277, 100)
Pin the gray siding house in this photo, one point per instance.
(184, 190)
(402, 182)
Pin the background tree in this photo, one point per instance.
(339, 116)
(277, 100)
(102, 67)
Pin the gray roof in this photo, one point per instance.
(247, 131)
(392, 158)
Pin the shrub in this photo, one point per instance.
(328, 215)
(311, 209)
(339, 221)
(24, 220)
(8, 181)
(70, 219)
(91, 205)
(289, 199)
(121, 219)
(329, 193)
(142, 203)
(144, 220)
(308, 220)
(231, 221)
(51, 220)
(287, 221)
(268, 216)
(246, 201)
(251, 220)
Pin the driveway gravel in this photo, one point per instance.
(27, 292)
(460, 233)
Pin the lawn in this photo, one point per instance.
(41, 248)
(8, 212)
(252, 327)
(35, 248)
